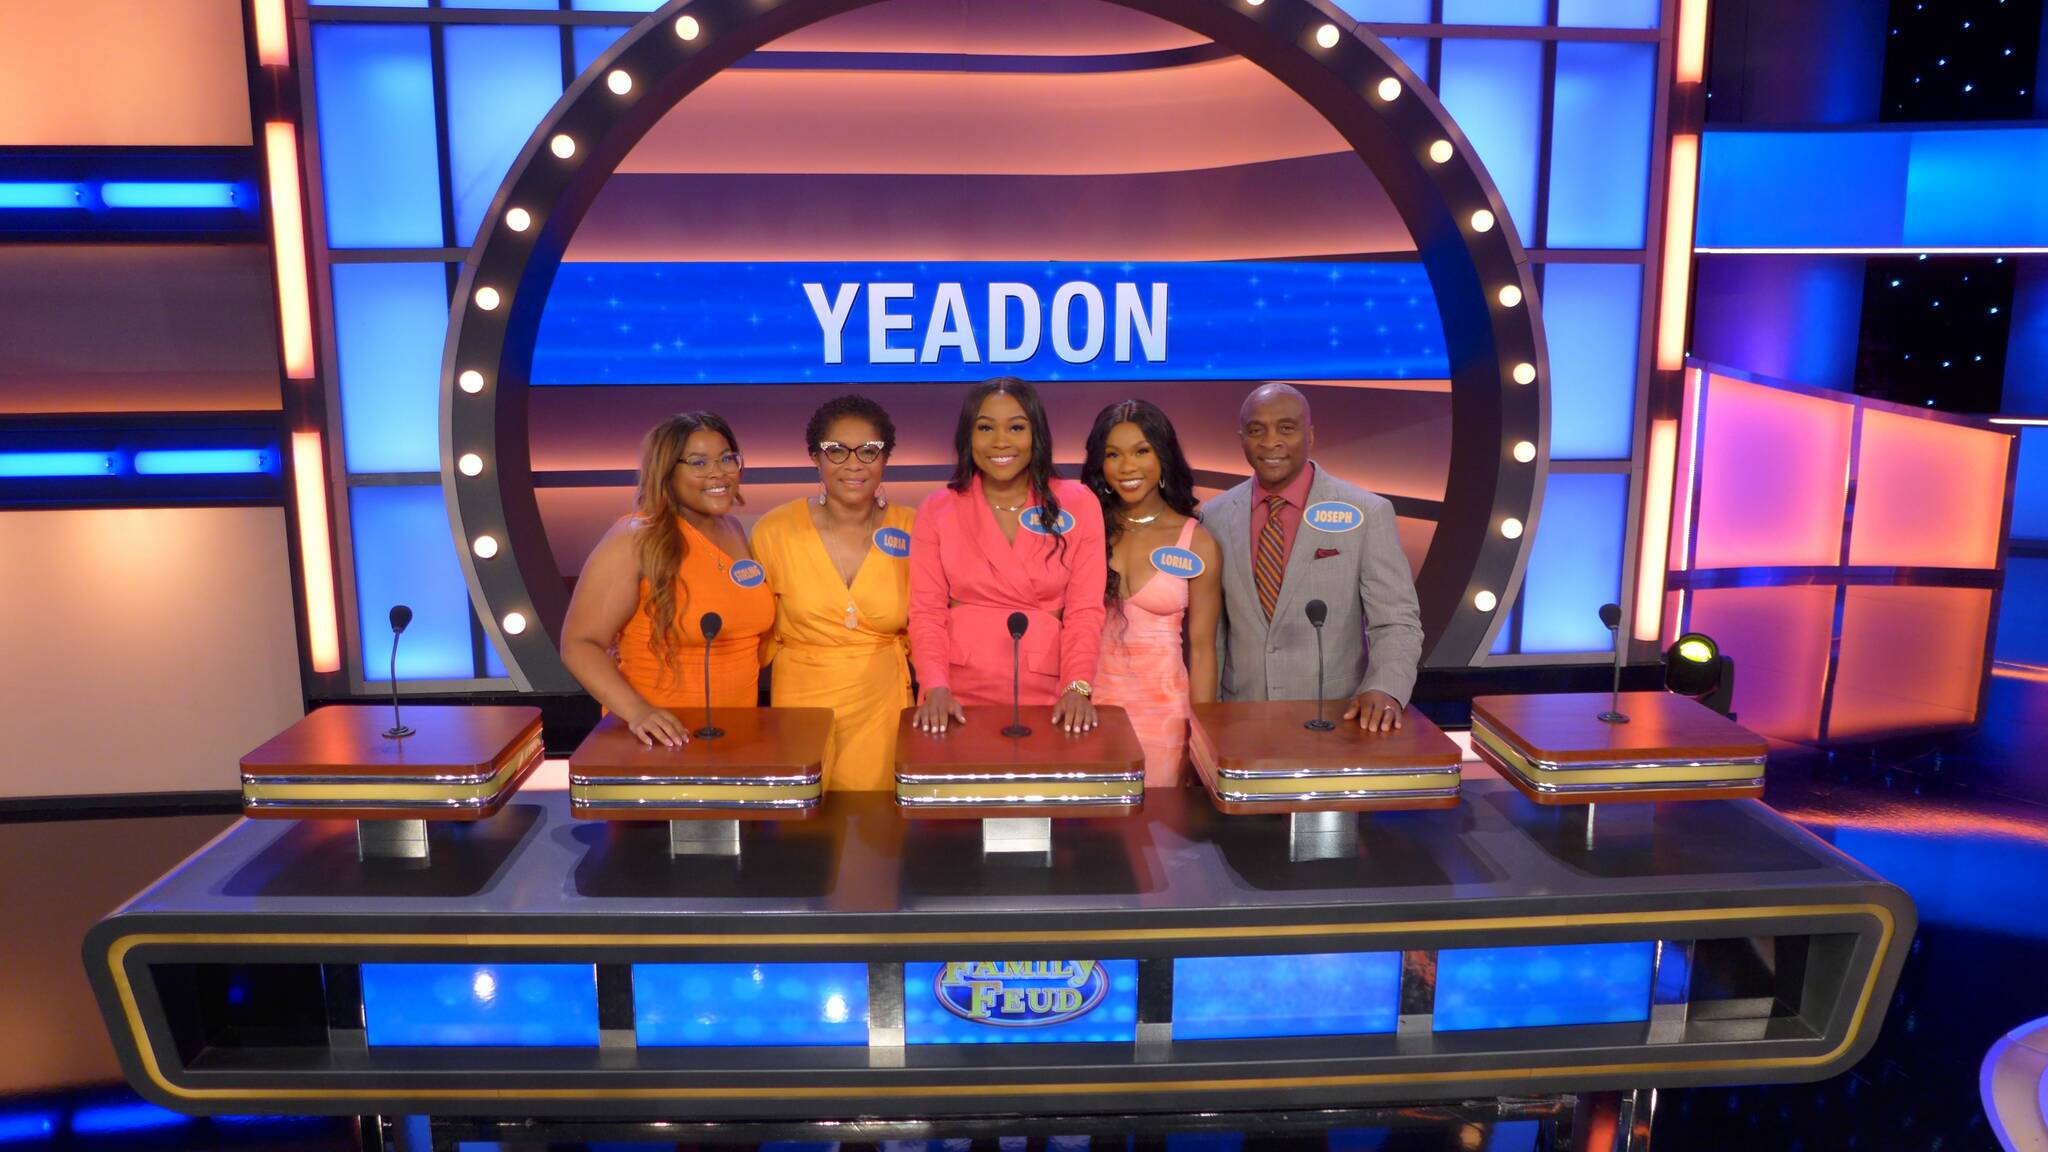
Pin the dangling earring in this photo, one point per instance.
(881, 501)
(821, 495)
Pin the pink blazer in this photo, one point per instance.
(965, 580)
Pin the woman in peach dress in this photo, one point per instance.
(1164, 568)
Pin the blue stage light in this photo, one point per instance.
(105, 1119)
(162, 194)
(750, 1005)
(17, 465)
(18, 1127)
(204, 462)
(43, 195)
(480, 1005)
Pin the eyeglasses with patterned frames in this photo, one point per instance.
(705, 465)
(866, 453)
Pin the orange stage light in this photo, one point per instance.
(288, 235)
(273, 34)
(1692, 41)
(1678, 223)
(1656, 528)
(309, 483)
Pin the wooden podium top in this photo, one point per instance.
(1267, 736)
(758, 743)
(1566, 728)
(979, 747)
(348, 739)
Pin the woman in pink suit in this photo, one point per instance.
(1006, 535)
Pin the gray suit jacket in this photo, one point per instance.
(1362, 577)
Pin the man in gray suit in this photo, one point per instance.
(1294, 533)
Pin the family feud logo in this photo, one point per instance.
(1021, 993)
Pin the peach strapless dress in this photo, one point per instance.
(1141, 670)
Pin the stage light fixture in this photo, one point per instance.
(515, 623)
(1511, 528)
(1525, 373)
(485, 547)
(1441, 152)
(1389, 89)
(487, 298)
(562, 146)
(518, 220)
(470, 464)
(1694, 666)
(1482, 221)
(619, 82)
(1485, 601)
(471, 381)
(1524, 451)
(1327, 35)
(1510, 296)
(687, 27)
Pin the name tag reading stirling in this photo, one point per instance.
(893, 542)
(1032, 519)
(1176, 562)
(1333, 516)
(747, 573)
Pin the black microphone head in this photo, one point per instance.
(1610, 615)
(1018, 623)
(711, 623)
(400, 617)
(1317, 612)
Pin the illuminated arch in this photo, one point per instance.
(1478, 271)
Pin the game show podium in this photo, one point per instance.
(1017, 785)
(459, 763)
(1259, 757)
(1557, 750)
(768, 764)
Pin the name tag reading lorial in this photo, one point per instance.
(1176, 562)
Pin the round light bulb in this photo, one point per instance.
(619, 82)
(484, 546)
(562, 146)
(1485, 601)
(1482, 221)
(1524, 451)
(1389, 88)
(1441, 152)
(1511, 528)
(471, 381)
(1255, 3)
(1525, 373)
(1510, 296)
(518, 219)
(1327, 35)
(515, 623)
(470, 464)
(688, 28)
(487, 298)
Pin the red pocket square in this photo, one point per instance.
(1323, 552)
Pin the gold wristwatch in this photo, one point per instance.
(1082, 687)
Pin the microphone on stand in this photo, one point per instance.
(1019, 622)
(400, 617)
(709, 624)
(1317, 613)
(1610, 615)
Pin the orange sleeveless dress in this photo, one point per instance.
(707, 581)
(1142, 673)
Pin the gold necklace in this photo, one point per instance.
(1140, 519)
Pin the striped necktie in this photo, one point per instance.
(1269, 565)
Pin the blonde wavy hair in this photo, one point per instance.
(660, 542)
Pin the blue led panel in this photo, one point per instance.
(176, 194)
(1600, 145)
(131, 1116)
(1020, 1002)
(480, 1005)
(40, 464)
(1591, 321)
(1328, 994)
(1522, 12)
(1977, 186)
(535, 5)
(204, 461)
(41, 195)
(1542, 987)
(405, 555)
(750, 1005)
(1494, 90)
(1802, 189)
(374, 3)
(1608, 13)
(389, 324)
(1575, 563)
(379, 161)
(1414, 52)
(1388, 11)
(2030, 487)
(501, 81)
(592, 41)
(19, 1126)
(616, 5)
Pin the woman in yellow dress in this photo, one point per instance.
(839, 565)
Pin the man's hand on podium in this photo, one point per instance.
(1375, 711)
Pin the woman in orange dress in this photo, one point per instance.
(1163, 567)
(634, 637)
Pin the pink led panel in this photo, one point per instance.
(1772, 474)
(1911, 658)
(1928, 493)
(1779, 639)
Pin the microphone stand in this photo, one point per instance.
(1016, 729)
(398, 729)
(709, 731)
(1319, 724)
(1614, 714)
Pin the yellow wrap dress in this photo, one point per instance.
(838, 647)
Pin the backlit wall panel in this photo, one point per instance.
(1773, 473)
(123, 73)
(1928, 494)
(1779, 638)
(1911, 658)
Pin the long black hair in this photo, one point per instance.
(1039, 469)
(1176, 479)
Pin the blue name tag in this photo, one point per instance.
(1333, 516)
(893, 542)
(1033, 520)
(1177, 562)
(747, 573)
